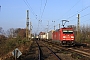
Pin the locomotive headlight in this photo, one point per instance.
(72, 36)
(64, 36)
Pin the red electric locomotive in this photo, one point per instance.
(64, 35)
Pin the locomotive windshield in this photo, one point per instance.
(67, 32)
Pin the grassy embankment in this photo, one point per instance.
(7, 46)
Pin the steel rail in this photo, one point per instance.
(54, 53)
(40, 52)
(83, 53)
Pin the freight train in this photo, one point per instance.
(64, 36)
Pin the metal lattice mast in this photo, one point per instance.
(78, 29)
(78, 23)
(30, 30)
(27, 26)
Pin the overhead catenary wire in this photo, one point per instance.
(40, 8)
(79, 12)
(39, 20)
(41, 13)
(28, 5)
(85, 20)
(30, 8)
(43, 9)
(71, 7)
(68, 10)
(85, 15)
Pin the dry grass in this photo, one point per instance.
(9, 45)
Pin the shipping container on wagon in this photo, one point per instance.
(37, 36)
(46, 36)
(42, 35)
(56, 35)
(50, 34)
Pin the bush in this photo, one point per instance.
(10, 45)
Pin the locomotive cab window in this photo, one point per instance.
(67, 32)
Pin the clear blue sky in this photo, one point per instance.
(13, 13)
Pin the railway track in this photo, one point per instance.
(40, 50)
(59, 51)
(72, 49)
(86, 54)
(41, 55)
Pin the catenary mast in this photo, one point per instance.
(27, 26)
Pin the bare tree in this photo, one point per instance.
(2, 31)
(85, 32)
(11, 33)
(21, 32)
(2, 35)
